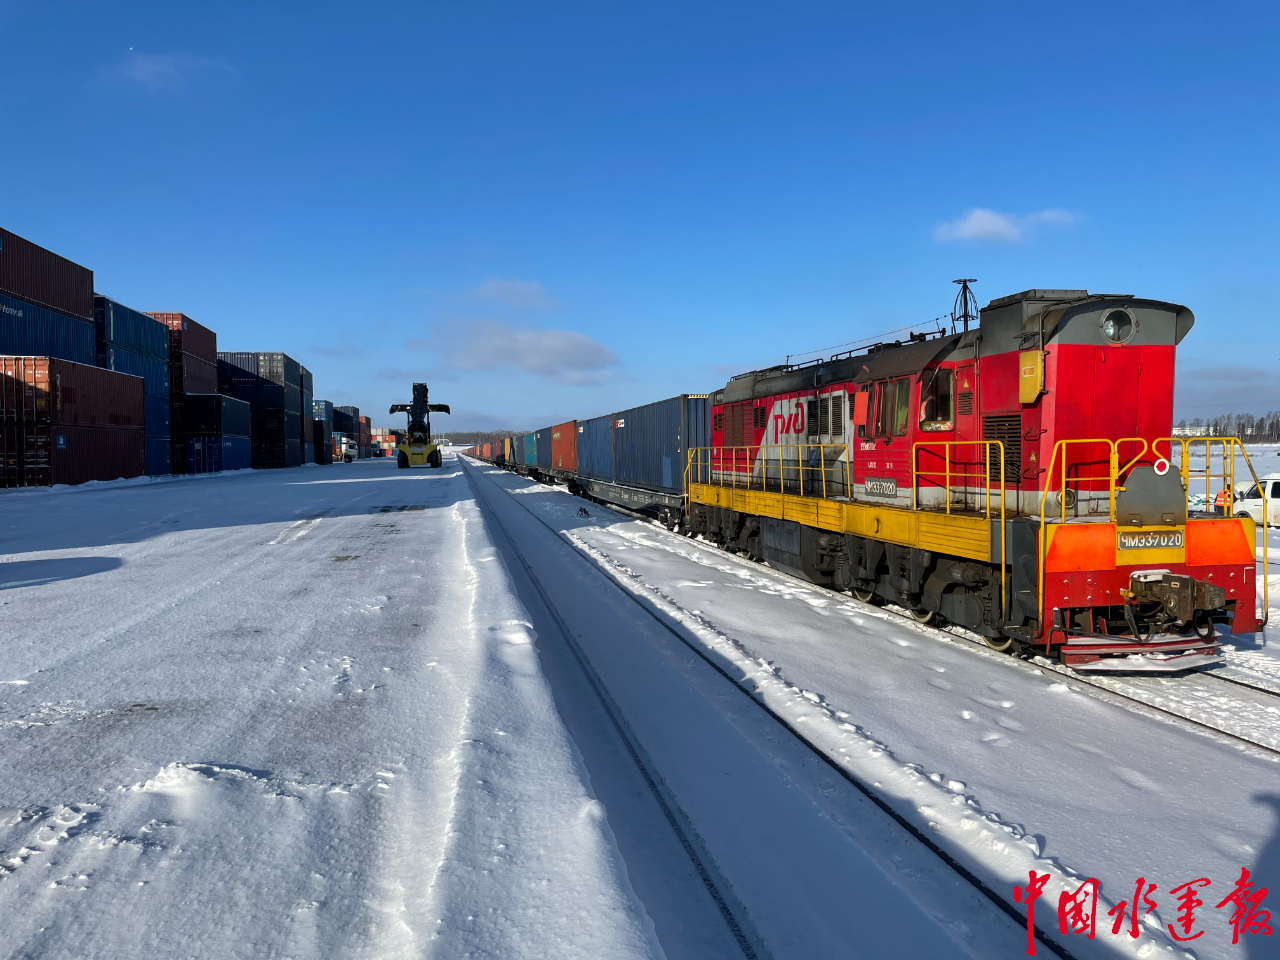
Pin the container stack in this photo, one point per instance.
(193, 368)
(65, 422)
(218, 433)
(322, 429)
(346, 425)
(307, 413)
(366, 437)
(131, 342)
(271, 383)
(46, 303)
(385, 440)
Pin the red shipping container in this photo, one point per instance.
(192, 375)
(49, 390)
(32, 273)
(187, 336)
(564, 446)
(42, 454)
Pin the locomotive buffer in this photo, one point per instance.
(417, 449)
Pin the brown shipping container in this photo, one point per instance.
(308, 430)
(192, 375)
(37, 275)
(187, 336)
(564, 446)
(42, 454)
(49, 390)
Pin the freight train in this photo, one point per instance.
(1018, 479)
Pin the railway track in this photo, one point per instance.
(732, 913)
(866, 790)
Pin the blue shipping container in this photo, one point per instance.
(237, 453)
(158, 414)
(530, 449)
(154, 373)
(595, 448)
(159, 457)
(116, 325)
(544, 447)
(204, 453)
(27, 330)
(650, 443)
(322, 410)
(215, 413)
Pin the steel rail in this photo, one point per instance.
(636, 753)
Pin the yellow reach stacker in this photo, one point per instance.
(418, 450)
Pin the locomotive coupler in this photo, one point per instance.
(1170, 600)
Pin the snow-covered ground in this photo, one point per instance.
(358, 711)
(1010, 767)
(286, 713)
(337, 711)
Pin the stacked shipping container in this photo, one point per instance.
(193, 368)
(271, 383)
(131, 342)
(322, 430)
(65, 422)
(218, 433)
(46, 303)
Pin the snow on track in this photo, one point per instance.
(1012, 769)
(286, 713)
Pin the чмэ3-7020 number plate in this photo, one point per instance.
(1149, 539)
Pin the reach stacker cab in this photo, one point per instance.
(417, 449)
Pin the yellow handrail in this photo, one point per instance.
(1230, 447)
(1005, 602)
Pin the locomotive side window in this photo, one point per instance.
(937, 401)
(884, 409)
(901, 406)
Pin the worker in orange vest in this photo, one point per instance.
(1220, 504)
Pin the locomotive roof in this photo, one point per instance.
(880, 362)
(1006, 324)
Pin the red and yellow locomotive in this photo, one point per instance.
(1019, 479)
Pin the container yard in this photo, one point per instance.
(96, 390)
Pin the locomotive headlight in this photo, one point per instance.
(1117, 326)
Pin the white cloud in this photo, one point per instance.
(170, 71)
(522, 294)
(981, 224)
(563, 356)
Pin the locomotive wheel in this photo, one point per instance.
(999, 644)
(921, 615)
(866, 596)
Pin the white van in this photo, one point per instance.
(1249, 499)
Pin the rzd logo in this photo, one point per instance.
(791, 423)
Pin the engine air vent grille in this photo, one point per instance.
(1008, 430)
(964, 403)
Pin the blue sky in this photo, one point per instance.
(557, 210)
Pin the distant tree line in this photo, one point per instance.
(1251, 429)
(472, 438)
